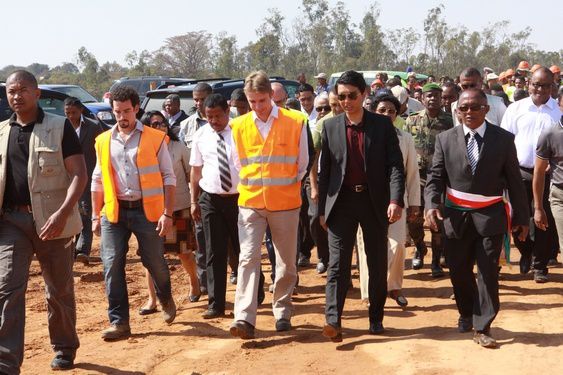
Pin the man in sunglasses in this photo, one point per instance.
(526, 119)
(361, 183)
(424, 126)
(470, 78)
(473, 165)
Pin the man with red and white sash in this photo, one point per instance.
(473, 166)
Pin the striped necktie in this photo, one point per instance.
(224, 170)
(473, 150)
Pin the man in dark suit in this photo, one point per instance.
(361, 182)
(175, 114)
(473, 165)
(87, 131)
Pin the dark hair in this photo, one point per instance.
(146, 120)
(480, 93)
(175, 98)
(305, 87)
(393, 82)
(520, 94)
(496, 87)
(216, 100)
(385, 98)
(123, 94)
(471, 72)
(203, 87)
(353, 78)
(22, 75)
(502, 94)
(239, 95)
(73, 102)
(293, 103)
(450, 84)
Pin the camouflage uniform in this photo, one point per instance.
(424, 131)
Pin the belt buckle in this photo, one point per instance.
(358, 188)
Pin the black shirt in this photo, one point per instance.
(17, 187)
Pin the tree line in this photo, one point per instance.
(323, 38)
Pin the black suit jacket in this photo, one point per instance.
(89, 130)
(383, 163)
(496, 170)
(175, 126)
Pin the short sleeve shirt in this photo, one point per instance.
(550, 147)
(17, 186)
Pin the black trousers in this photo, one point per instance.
(544, 242)
(350, 210)
(305, 242)
(478, 299)
(219, 217)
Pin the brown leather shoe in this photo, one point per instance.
(484, 340)
(242, 329)
(332, 332)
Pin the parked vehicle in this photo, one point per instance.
(100, 109)
(147, 83)
(369, 76)
(155, 98)
(51, 101)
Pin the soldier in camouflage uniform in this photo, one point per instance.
(424, 127)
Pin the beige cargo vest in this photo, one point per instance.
(46, 174)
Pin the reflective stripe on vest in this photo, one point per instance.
(269, 169)
(150, 178)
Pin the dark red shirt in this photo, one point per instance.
(355, 173)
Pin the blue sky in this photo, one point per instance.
(52, 31)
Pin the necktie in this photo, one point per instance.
(473, 151)
(224, 171)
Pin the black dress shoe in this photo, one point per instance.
(62, 362)
(283, 325)
(376, 328)
(540, 277)
(233, 279)
(465, 324)
(437, 271)
(212, 313)
(484, 340)
(525, 263)
(418, 259)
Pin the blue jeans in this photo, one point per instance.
(114, 253)
(84, 238)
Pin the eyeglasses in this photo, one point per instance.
(352, 96)
(546, 86)
(389, 111)
(325, 108)
(473, 108)
(155, 124)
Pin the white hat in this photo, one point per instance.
(491, 76)
(321, 75)
(400, 93)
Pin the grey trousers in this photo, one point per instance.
(18, 243)
(252, 227)
(556, 203)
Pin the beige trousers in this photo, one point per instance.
(252, 227)
(395, 257)
(556, 202)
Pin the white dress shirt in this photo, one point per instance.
(264, 129)
(526, 121)
(204, 154)
(495, 114)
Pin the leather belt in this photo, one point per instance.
(357, 188)
(529, 170)
(25, 208)
(130, 204)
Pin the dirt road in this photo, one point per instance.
(421, 339)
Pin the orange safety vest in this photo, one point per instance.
(152, 188)
(269, 171)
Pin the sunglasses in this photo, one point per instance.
(352, 96)
(325, 108)
(473, 108)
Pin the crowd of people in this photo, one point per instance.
(476, 160)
